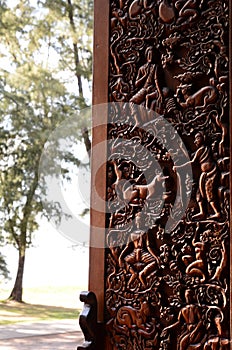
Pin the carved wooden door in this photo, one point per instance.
(162, 67)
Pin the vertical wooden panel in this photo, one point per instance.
(99, 152)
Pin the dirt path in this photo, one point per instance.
(63, 341)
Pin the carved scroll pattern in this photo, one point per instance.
(168, 290)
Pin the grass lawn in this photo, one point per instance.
(43, 303)
(11, 312)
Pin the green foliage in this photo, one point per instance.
(46, 58)
(4, 272)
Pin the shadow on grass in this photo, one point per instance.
(13, 312)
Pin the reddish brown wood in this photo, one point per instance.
(162, 288)
(167, 57)
(99, 134)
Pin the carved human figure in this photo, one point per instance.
(191, 323)
(198, 267)
(121, 175)
(221, 64)
(222, 264)
(138, 256)
(208, 178)
(217, 342)
(115, 238)
(146, 84)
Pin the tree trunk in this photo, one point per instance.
(17, 291)
(85, 135)
(75, 48)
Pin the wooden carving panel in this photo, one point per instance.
(168, 256)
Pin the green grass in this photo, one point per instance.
(65, 296)
(11, 312)
(42, 303)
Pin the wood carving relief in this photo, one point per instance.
(167, 261)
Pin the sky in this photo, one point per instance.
(53, 260)
(59, 254)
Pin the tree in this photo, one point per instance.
(4, 272)
(35, 98)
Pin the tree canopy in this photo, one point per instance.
(45, 70)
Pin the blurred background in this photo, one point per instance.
(45, 79)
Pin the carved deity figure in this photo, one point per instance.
(191, 323)
(138, 256)
(208, 178)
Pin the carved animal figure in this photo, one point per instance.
(130, 321)
(130, 316)
(199, 99)
(132, 193)
(148, 191)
